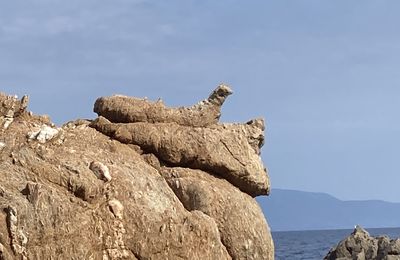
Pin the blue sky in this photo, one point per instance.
(324, 74)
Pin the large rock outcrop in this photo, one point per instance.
(361, 246)
(131, 190)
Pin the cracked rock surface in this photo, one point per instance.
(59, 201)
(222, 150)
(237, 214)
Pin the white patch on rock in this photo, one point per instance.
(116, 208)
(43, 134)
(248, 244)
(17, 237)
(100, 170)
(2, 145)
(22, 238)
(7, 122)
(10, 114)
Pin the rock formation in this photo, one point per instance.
(361, 246)
(223, 150)
(148, 182)
(11, 107)
(221, 202)
(123, 109)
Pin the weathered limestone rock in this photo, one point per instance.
(116, 208)
(100, 170)
(11, 107)
(43, 133)
(70, 201)
(222, 150)
(242, 225)
(58, 201)
(152, 160)
(253, 130)
(32, 192)
(361, 246)
(123, 109)
(18, 240)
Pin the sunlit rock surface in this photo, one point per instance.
(171, 184)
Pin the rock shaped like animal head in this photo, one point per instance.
(219, 95)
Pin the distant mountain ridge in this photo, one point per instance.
(299, 210)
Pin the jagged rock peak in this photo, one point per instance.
(11, 106)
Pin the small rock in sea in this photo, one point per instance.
(100, 170)
(360, 245)
(116, 208)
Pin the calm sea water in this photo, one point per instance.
(315, 244)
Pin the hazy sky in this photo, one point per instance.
(324, 74)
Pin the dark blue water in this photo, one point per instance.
(315, 244)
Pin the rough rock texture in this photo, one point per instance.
(174, 136)
(123, 109)
(361, 246)
(222, 150)
(11, 107)
(76, 193)
(221, 201)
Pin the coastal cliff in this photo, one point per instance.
(141, 181)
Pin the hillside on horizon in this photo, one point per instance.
(288, 210)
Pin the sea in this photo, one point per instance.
(315, 244)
